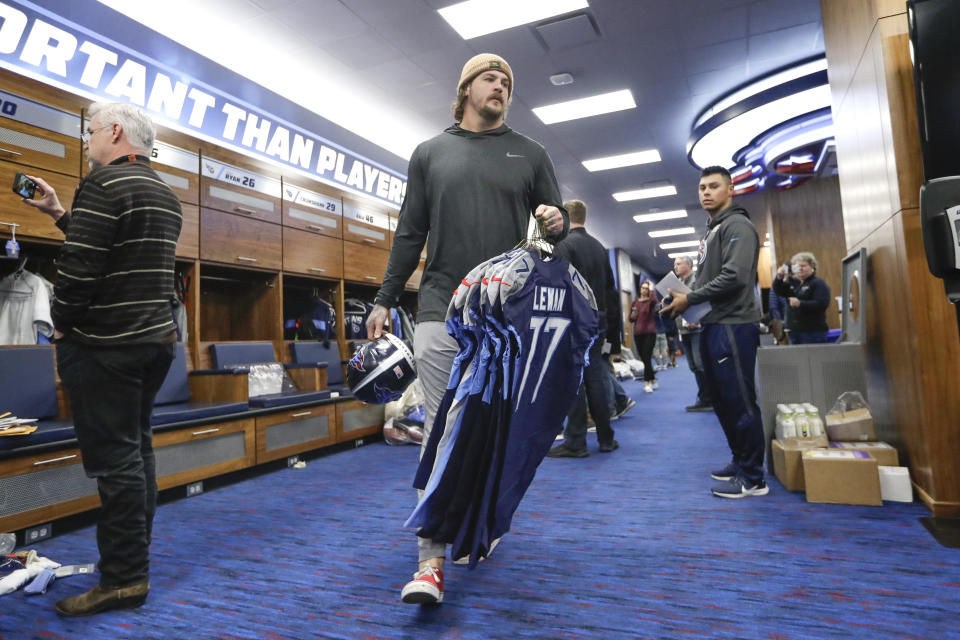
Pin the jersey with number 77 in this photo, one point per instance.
(552, 314)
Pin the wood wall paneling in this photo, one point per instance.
(188, 246)
(913, 352)
(936, 350)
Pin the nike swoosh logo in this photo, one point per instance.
(514, 155)
(722, 360)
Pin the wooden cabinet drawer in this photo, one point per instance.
(239, 199)
(185, 184)
(44, 487)
(51, 143)
(356, 419)
(364, 264)
(366, 234)
(312, 254)
(188, 246)
(238, 240)
(283, 434)
(188, 455)
(32, 222)
(312, 211)
(366, 225)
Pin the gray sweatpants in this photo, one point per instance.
(434, 351)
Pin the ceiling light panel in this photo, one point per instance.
(649, 192)
(680, 231)
(479, 17)
(623, 160)
(680, 245)
(683, 253)
(586, 107)
(660, 215)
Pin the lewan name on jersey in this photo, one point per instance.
(549, 299)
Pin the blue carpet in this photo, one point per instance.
(623, 545)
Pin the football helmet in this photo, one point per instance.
(381, 370)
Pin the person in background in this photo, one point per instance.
(778, 310)
(115, 336)
(590, 258)
(808, 297)
(729, 338)
(690, 335)
(661, 348)
(645, 331)
(470, 193)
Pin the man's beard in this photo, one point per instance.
(490, 113)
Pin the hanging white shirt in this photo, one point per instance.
(24, 308)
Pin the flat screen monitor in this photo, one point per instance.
(936, 73)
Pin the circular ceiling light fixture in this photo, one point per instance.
(756, 129)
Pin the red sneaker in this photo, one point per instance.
(425, 588)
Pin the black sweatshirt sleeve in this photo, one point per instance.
(413, 224)
(547, 191)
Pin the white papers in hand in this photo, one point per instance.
(694, 313)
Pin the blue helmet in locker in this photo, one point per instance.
(381, 370)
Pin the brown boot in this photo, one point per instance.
(101, 599)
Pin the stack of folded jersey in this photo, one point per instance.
(523, 325)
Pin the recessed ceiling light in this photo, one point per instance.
(624, 160)
(480, 17)
(683, 253)
(680, 245)
(649, 192)
(660, 215)
(671, 232)
(585, 107)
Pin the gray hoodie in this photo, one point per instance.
(469, 196)
(728, 269)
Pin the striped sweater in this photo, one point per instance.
(115, 271)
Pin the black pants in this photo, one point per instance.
(111, 391)
(691, 345)
(593, 392)
(729, 358)
(645, 342)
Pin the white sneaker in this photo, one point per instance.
(647, 387)
(655, 384)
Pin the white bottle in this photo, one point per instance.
(814, 418)
(800, 421)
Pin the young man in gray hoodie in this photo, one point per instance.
(470, 193)
(730, 335)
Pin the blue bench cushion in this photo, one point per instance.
(223, 355)
(284, 399)
(315, 352)
(28, 382)
(48, 431)
(175, 388)
(184, 411)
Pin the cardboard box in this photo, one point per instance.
(841, 477)
(883, 452)
(852, 426)
(895, 484)
(788, 462)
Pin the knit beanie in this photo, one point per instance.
(484, 62)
